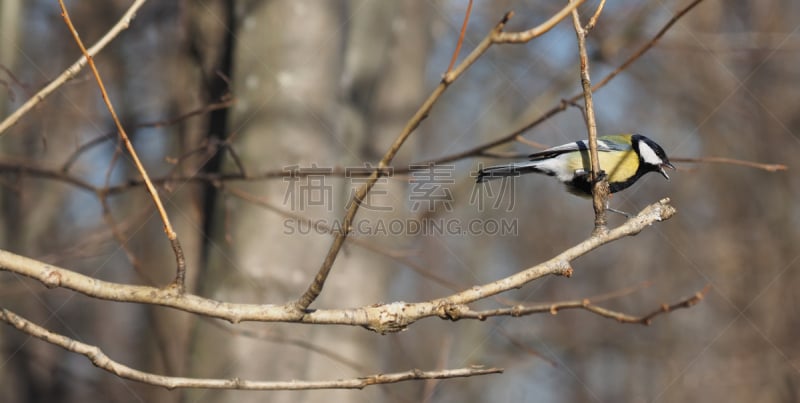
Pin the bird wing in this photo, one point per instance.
(603, 144)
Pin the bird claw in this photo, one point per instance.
(601, 176)
(619, 212)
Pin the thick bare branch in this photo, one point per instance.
(382, 318)
(102, 361)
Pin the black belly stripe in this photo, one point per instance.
(582, 185)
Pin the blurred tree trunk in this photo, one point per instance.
(196, 70)
(12, 379)
(383, 83)
(10, 17)
(286, 81)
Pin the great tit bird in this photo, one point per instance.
(623, 157)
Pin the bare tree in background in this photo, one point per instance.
(239, 109)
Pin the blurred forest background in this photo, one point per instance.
(209, 87)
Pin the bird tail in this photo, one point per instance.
(502, 171)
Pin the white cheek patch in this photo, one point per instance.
(648, 155)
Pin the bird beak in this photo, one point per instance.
(663, 172)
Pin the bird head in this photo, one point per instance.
(651, 154)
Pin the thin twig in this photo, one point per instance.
(9, 91)
(496, 35)
(25, 168)
(15, 81)
(531, 143)
(526, 36)
(73, 70)
(593, 21)
(460, 37)
(179, 282)
(585, 304)
(158, 123)
(647, 46)
(600, 189)
(733, 161)
(103, 361)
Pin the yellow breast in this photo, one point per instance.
(619, 165)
